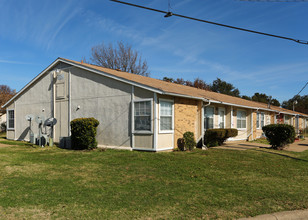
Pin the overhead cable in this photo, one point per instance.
(168, 14)
(302, 89)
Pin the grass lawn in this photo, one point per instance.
(261, 141)
(51, 183)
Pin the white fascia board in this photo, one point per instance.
(31, 82)
(244, 106)
(185, 96)
(85, 68)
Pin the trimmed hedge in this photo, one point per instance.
(216, 137)
(84, 133)
(189, 140)
(279, 135)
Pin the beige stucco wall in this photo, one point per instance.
(10, 134)
(36, 101)
(164, 140)
(107, 100)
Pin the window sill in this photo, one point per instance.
(142, 132)
(241, 129)
(166, 132)
(10, 129)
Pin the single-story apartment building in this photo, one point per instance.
(135, 112)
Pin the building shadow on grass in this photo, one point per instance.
(283, 155)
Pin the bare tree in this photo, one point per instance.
(6, 93)
(122, 57)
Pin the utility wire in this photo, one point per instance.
(168, 14)
(302, 89)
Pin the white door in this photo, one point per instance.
(221, 119)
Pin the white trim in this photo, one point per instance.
(224, 110)
(172, 117)
(163, 149)
(8, 121)
(209, 106)
(155, 122)
(241, 129)
(82, 67)
(69, 102)
(153, 150)
(232, 120)
(202, 120)
(151, 120)
(132, 117)
(128, 82)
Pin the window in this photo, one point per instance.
(166, 115)
(287, 119)
(209, 118)
(258, 119)
(262, 119)
(241, 119)
(142, 115)
(10, 119)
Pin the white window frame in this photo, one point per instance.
(172, 121)
(151, 120)
(8, 119)
(224, 109)
(240, 110)
(262, 114)
(287, 119)
(258, 120)
(204, 118)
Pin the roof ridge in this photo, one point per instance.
(204, 93)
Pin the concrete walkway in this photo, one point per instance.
(288, 215)
(297, 146)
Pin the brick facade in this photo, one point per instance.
(186, 117)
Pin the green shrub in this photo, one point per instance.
(84, 133)
(279, 135)
(216, 137)
(181, 144)
(3, 127)
(189, 140)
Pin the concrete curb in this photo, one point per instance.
(287, 215)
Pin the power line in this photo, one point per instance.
(168, 14)
(302, 89)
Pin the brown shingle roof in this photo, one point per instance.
(169, 87)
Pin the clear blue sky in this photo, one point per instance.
(35, 32)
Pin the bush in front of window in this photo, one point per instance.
(189, 140)
(279, 135)
(3, 127)
(84, 133)
(216, 137)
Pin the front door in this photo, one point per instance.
(221, 119)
